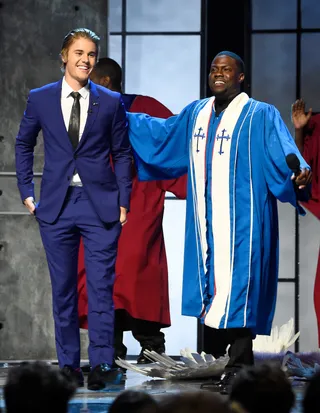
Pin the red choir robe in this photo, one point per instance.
(311, 153)
(141, 284)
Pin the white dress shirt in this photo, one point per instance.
(66, 106)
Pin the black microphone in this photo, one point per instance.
(293, 163)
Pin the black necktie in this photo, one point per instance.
(74, 123)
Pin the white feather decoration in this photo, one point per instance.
(279, 341)
(199, 366)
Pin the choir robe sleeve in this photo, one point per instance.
(278, 143)
(152, 107)
(160, 146)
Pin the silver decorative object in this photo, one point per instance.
(191, 366)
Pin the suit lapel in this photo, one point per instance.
(93, 111)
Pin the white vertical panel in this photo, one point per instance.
(310, 69)
(115, 51)
(164, 15)
(115, 15)
(286, 240)
(273, 57)
(273, 14)
(167, 68)
(285, 304)
(164, 67)
(310, 11)
(183, 330)
(309, 250)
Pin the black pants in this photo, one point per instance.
(240, 340)
(147, 333)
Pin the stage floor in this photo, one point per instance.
(86, 401)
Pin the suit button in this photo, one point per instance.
(68, 178)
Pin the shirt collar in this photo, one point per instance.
(66, 89)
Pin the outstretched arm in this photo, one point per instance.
(160, 146)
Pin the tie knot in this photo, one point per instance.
(75, 95)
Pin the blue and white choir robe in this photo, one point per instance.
(236, 172)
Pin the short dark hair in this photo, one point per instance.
(109, 67)
(234, 56)
(134, 402)
(194, 402)
(263, 388)
(75, 34)
(35, 387)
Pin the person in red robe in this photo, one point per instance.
(307, 132)
(141, 295)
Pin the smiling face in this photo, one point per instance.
(79, 60)
(225, 77)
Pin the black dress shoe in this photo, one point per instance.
(73, 375)
(115, 366)
(86, 368)
(222, 386)
(103, 374)
(142, 359)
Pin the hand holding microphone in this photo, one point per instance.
(301, 177)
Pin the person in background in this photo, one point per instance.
(307, 134)
(262, 389)
(140, 294)
(37, 387)
(131, 401)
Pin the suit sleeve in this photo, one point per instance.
(278, 144)
(26, 140)
(121, 154)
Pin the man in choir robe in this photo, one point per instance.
(141, 296)
(307, 131)
(234, 150)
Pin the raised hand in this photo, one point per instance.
(299, 116)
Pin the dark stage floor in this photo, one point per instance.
(88, 401)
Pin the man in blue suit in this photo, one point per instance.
(81, 195)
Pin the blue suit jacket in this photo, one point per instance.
(105, 134)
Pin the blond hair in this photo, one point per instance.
(74, 35)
